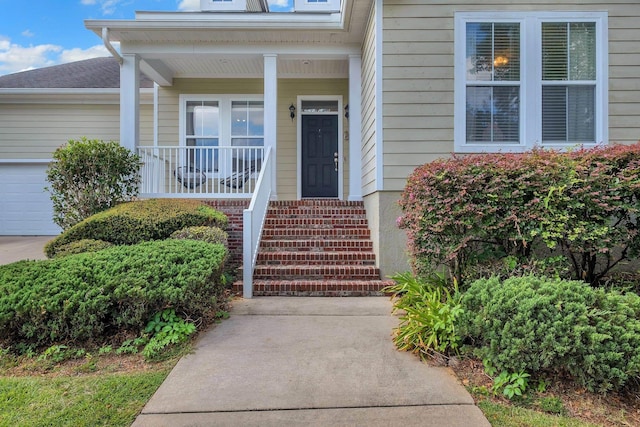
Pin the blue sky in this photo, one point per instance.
(41, 33)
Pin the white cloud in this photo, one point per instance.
(27, 33)
(189, 5)
(15, 58)
(108, 7)
(77, 54)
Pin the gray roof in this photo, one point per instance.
(95, 73)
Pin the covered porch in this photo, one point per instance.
(246, 106)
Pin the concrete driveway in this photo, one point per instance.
(17, 248)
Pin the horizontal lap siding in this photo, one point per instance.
(34, 131)
(418, 51)
(369, 107)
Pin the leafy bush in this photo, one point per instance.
(557, 327)
(87, 297)
(135, 222)
(165, 329)
(81, 246)
(467, 211)
(205, 234)
(430, 314)
(89, 176)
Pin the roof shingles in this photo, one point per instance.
(95, 73)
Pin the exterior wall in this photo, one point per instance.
(288, 91)
(369, 106)
(418, 68)
(389, 242)
(34, 131)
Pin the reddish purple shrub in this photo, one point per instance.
(476, 210)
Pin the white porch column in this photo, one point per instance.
(130, 101)
(355, 128)
(271, 113)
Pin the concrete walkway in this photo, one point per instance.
(307, 362)
(17, 248)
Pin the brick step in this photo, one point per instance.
(320, 288)
(332, 222)
(311, 212)
(316, 272)
(315, 203)
(318, 245)
(315, 233)
(316, 258)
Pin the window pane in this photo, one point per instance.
(247, 118)
(493, 52)
(569, 51)
(202, 118)
(493, 114)
(582, 51)
(568, 114)
(554, 51)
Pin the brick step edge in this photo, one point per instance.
(316, 257)
(327, 288)
(302, 245)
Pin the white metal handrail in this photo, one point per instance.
(201, 171)
(253, 222)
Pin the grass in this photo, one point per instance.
(500, 415)
(90, 400)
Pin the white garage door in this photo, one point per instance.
(26, 207)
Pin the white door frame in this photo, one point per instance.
(338, 113)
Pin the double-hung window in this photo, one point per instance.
(227, 132)
(530, 79)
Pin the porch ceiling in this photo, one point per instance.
(200, 44)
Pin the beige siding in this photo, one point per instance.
(418, 75)
(288, 91)
(369, 106)
(34, 131)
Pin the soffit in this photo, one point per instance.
(200, 44)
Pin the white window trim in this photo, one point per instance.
(224, 103)
(224, 108)
(530, 82)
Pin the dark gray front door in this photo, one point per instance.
(319, 155)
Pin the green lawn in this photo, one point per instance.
(511, 416)
(95, 400)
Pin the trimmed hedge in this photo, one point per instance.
(582, 205)
(86, 297)
(139, 221)
(205, 234)
(555, 327)
(81, 246)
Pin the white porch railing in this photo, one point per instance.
(253, 222)
(197, 172)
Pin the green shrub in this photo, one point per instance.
(86, 297)
(81, 246)
(135, 222)
(205, 234)
(430, 313)
(89, 176)
(556, 327)
(468, 211)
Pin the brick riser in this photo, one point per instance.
(316, 248)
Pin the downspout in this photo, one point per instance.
(109, 46)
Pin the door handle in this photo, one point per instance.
(335, 160)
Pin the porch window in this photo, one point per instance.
(215, 125)
(526, 79)
(203, 129)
